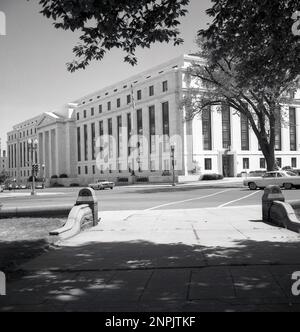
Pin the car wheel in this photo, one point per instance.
(288, 186)
(252, 186)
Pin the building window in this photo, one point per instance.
(139, 94)
(151, 90)
(128, 99)
(94, 169)
(78, 144)
(118, 103)
(152, 128)
(101, 134)
(278, 135)
(139, 122)
(86, 170)
(93, 142)
(119, 120)
(226, 127)
(206, 128)
(294, 162)
(109, 106)
(84, 115)
(79, 170)
(166, 126)
(279, 162)
(110, 135)
(92, 111)
(262, 163)
(78, 116)
(293, 129)
(165, 86)
(85, 129)
(246, 163)
(208, 164)
(244, 133)
(129, 133)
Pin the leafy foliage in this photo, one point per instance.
(108, 24)
(250, 62)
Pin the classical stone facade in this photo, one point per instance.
(130, 128)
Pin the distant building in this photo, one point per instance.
(129, 128)
(3, 162)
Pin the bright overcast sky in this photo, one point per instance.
(33, 75)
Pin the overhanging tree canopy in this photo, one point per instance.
(251, 63)
(123, 24)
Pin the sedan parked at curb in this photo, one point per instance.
(285, 179)
(102, 185)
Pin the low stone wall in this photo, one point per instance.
(283, 214)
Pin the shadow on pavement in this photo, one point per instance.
(143, 276)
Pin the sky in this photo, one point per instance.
(33, 57)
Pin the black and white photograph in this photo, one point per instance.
(150, 158)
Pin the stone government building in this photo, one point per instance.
(71, 140)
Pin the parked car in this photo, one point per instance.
(102, 184)
(285, 179)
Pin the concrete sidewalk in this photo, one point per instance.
(172, 260)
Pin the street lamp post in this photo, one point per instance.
(173, 164)
(32, 147)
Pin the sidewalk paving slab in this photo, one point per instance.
(167, 260)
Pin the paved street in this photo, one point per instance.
(148, 197)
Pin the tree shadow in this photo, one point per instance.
(145, 276)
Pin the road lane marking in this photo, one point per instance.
(188, 200)
(237, 200)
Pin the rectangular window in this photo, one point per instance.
(101, 134)
(110, 134)
(208, 164)
(293, 129)
(166, 126)
(244, 133)
(151, 90)
(118, 103)
(246, 163)
(206, 128)
(294, 162)
(84, 115)
(94, 169)
(93, 141)
(278, 135)
(100, 109)
(152, 128)
(262, 163)
(226, 127)
(78, 116)
(85, 142)
(139, 122)
(128, 99)
(78, 144)
(139, 94)
(279, 162)
(165, 86)
(119, 119)
(92, 111)
(129, 133)
(86, 170)
(109, 106)
(79, 170)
